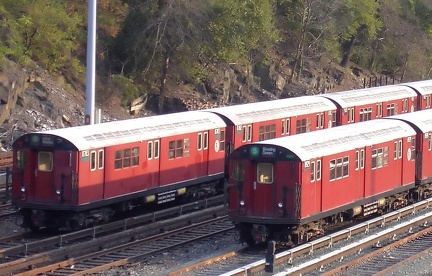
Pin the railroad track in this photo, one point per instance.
(6, 211)
(315, 257)
(76, 244)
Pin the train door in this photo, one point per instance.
(203, 155)
(41, 167)
(65, 176)
(263, 189)
(152, 165)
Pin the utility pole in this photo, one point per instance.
(91, 64)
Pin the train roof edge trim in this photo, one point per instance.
(43, 141)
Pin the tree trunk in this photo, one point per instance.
(347, 52)
(163, 81)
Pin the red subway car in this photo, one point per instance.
(73, 177)
(290, 188)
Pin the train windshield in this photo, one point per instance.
(265, 173)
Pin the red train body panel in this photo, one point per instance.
(93, 171)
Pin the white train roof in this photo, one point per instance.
(139, 129)
(371, 95)
(421, 119)
(277, 109)
(343, 138)
(423, 87)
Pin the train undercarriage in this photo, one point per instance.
(290, 235)
(36, 219)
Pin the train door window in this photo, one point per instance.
(101, 159)
(45, 161)
(118, 159)
(351, 115)
(312, 166)
(395, 150)
(222, 140)
(320, 121)
(156, 149)
(413, 146)
(205, 140)
(379, 110)
(238, 170)
(199, 141)
(430, 142)
(135, 156)
(265, 173)
(249, 133)
(405, 105)
(93, 160)
(21, 160)
(287, 126)
(318, 170)
(186, 144)
(400, 149)
(244, 134)
(126, 158)
(357, 161)
(362, 158)
(428, 101)
(390, 109)
(283, 127)
(149, 150)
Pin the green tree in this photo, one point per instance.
(357, 20)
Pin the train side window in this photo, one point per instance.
(135, 156)
(156, 149)
(205, 140)
(318, 170)
(126, 158)
(391, 109)
(345, 166)
(332, 169)
(101, 159)
(93, 160)
(199, 141)
(244, 134)
(301, 126)
(118, 159)
(21, 159)
(333, 118)
(238, 170)
(265, 173)
(222, 140)
(428, 101)
(339, 168)
(405, 105)
(312, 166)
(261, 133)
(179, 148)
(351, 115)
(149, 150)
(171, 147)
(45, 161)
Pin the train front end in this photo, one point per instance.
(44, 183)
(263, 190)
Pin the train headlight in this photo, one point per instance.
(280, 205)
(58, 192)
(242, 203)
(23, 189)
